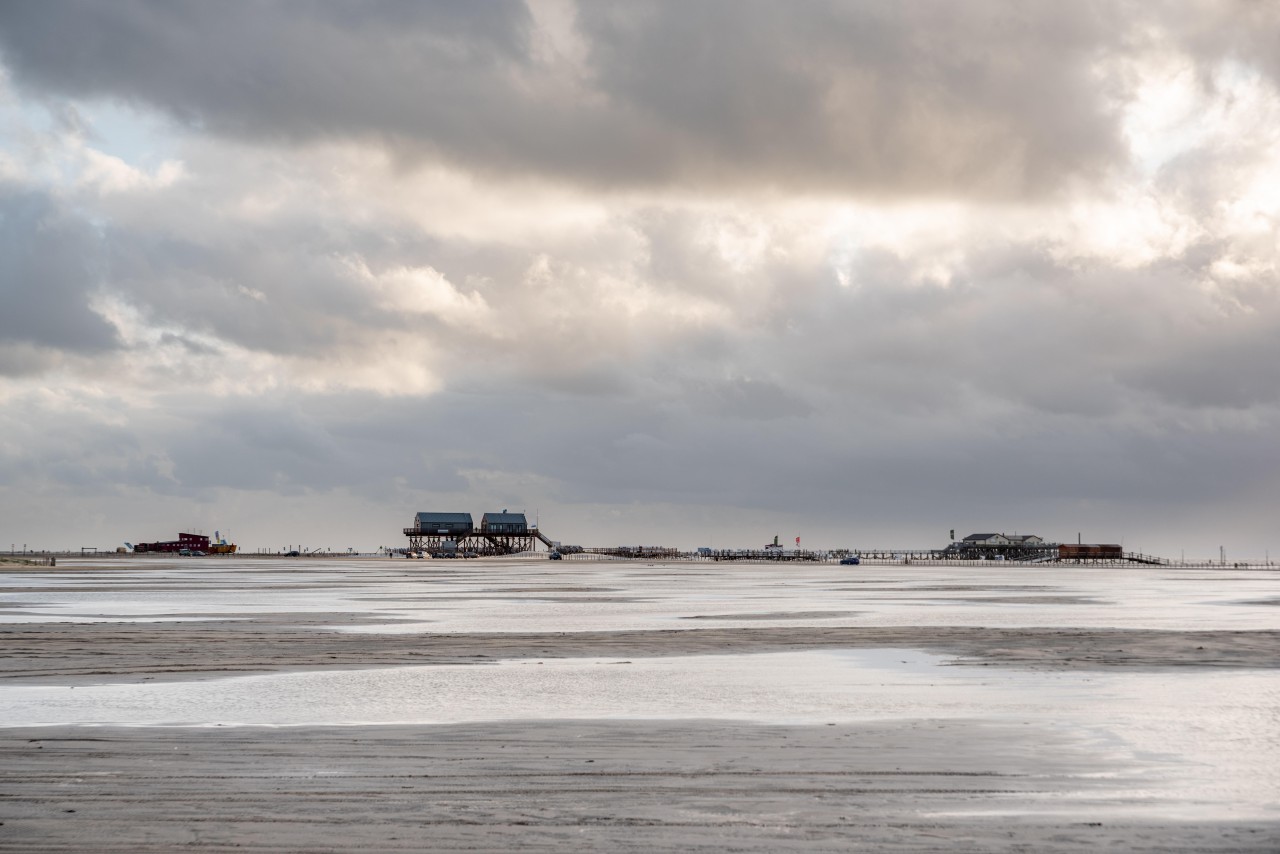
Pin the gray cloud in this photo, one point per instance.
(1014, 330)
(1241, 30)
(51, 264)
(1241, 371)
(925, 98)
(855, 476)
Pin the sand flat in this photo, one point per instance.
(1037, 710)
(586, 786)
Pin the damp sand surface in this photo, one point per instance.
(362, 705)
(915, 785)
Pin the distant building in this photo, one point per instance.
(451, 534)
(1001, 547)
(444, 524)
(504, 523)
(975, 540)
(1091, 552)
(979, 540)
(185, 542)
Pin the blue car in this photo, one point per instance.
(850, 561)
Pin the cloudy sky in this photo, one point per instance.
(679, 273)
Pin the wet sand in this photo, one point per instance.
(93, 653)
(579, 786)
(921, 783)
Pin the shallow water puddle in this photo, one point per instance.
(614, 597)
(1216, 733)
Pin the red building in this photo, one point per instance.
(192, 542)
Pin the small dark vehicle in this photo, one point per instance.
(850, 561)
(555, 556)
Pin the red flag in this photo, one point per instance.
(797, 541)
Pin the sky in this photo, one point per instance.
(689, 273)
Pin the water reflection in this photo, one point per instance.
(1212, 737)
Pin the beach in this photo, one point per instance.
(349, 705)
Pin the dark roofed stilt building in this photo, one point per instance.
(504, 523)
(450, 524)
(450, 533)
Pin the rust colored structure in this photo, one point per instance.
(190, 542)
(1091, 551)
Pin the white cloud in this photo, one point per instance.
(420, 290)
(108, 174)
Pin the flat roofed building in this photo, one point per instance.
(446, 524)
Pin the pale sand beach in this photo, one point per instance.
(363, 705)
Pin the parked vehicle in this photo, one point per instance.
(555, 556)
(850, 561)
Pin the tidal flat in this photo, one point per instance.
(342, 705)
